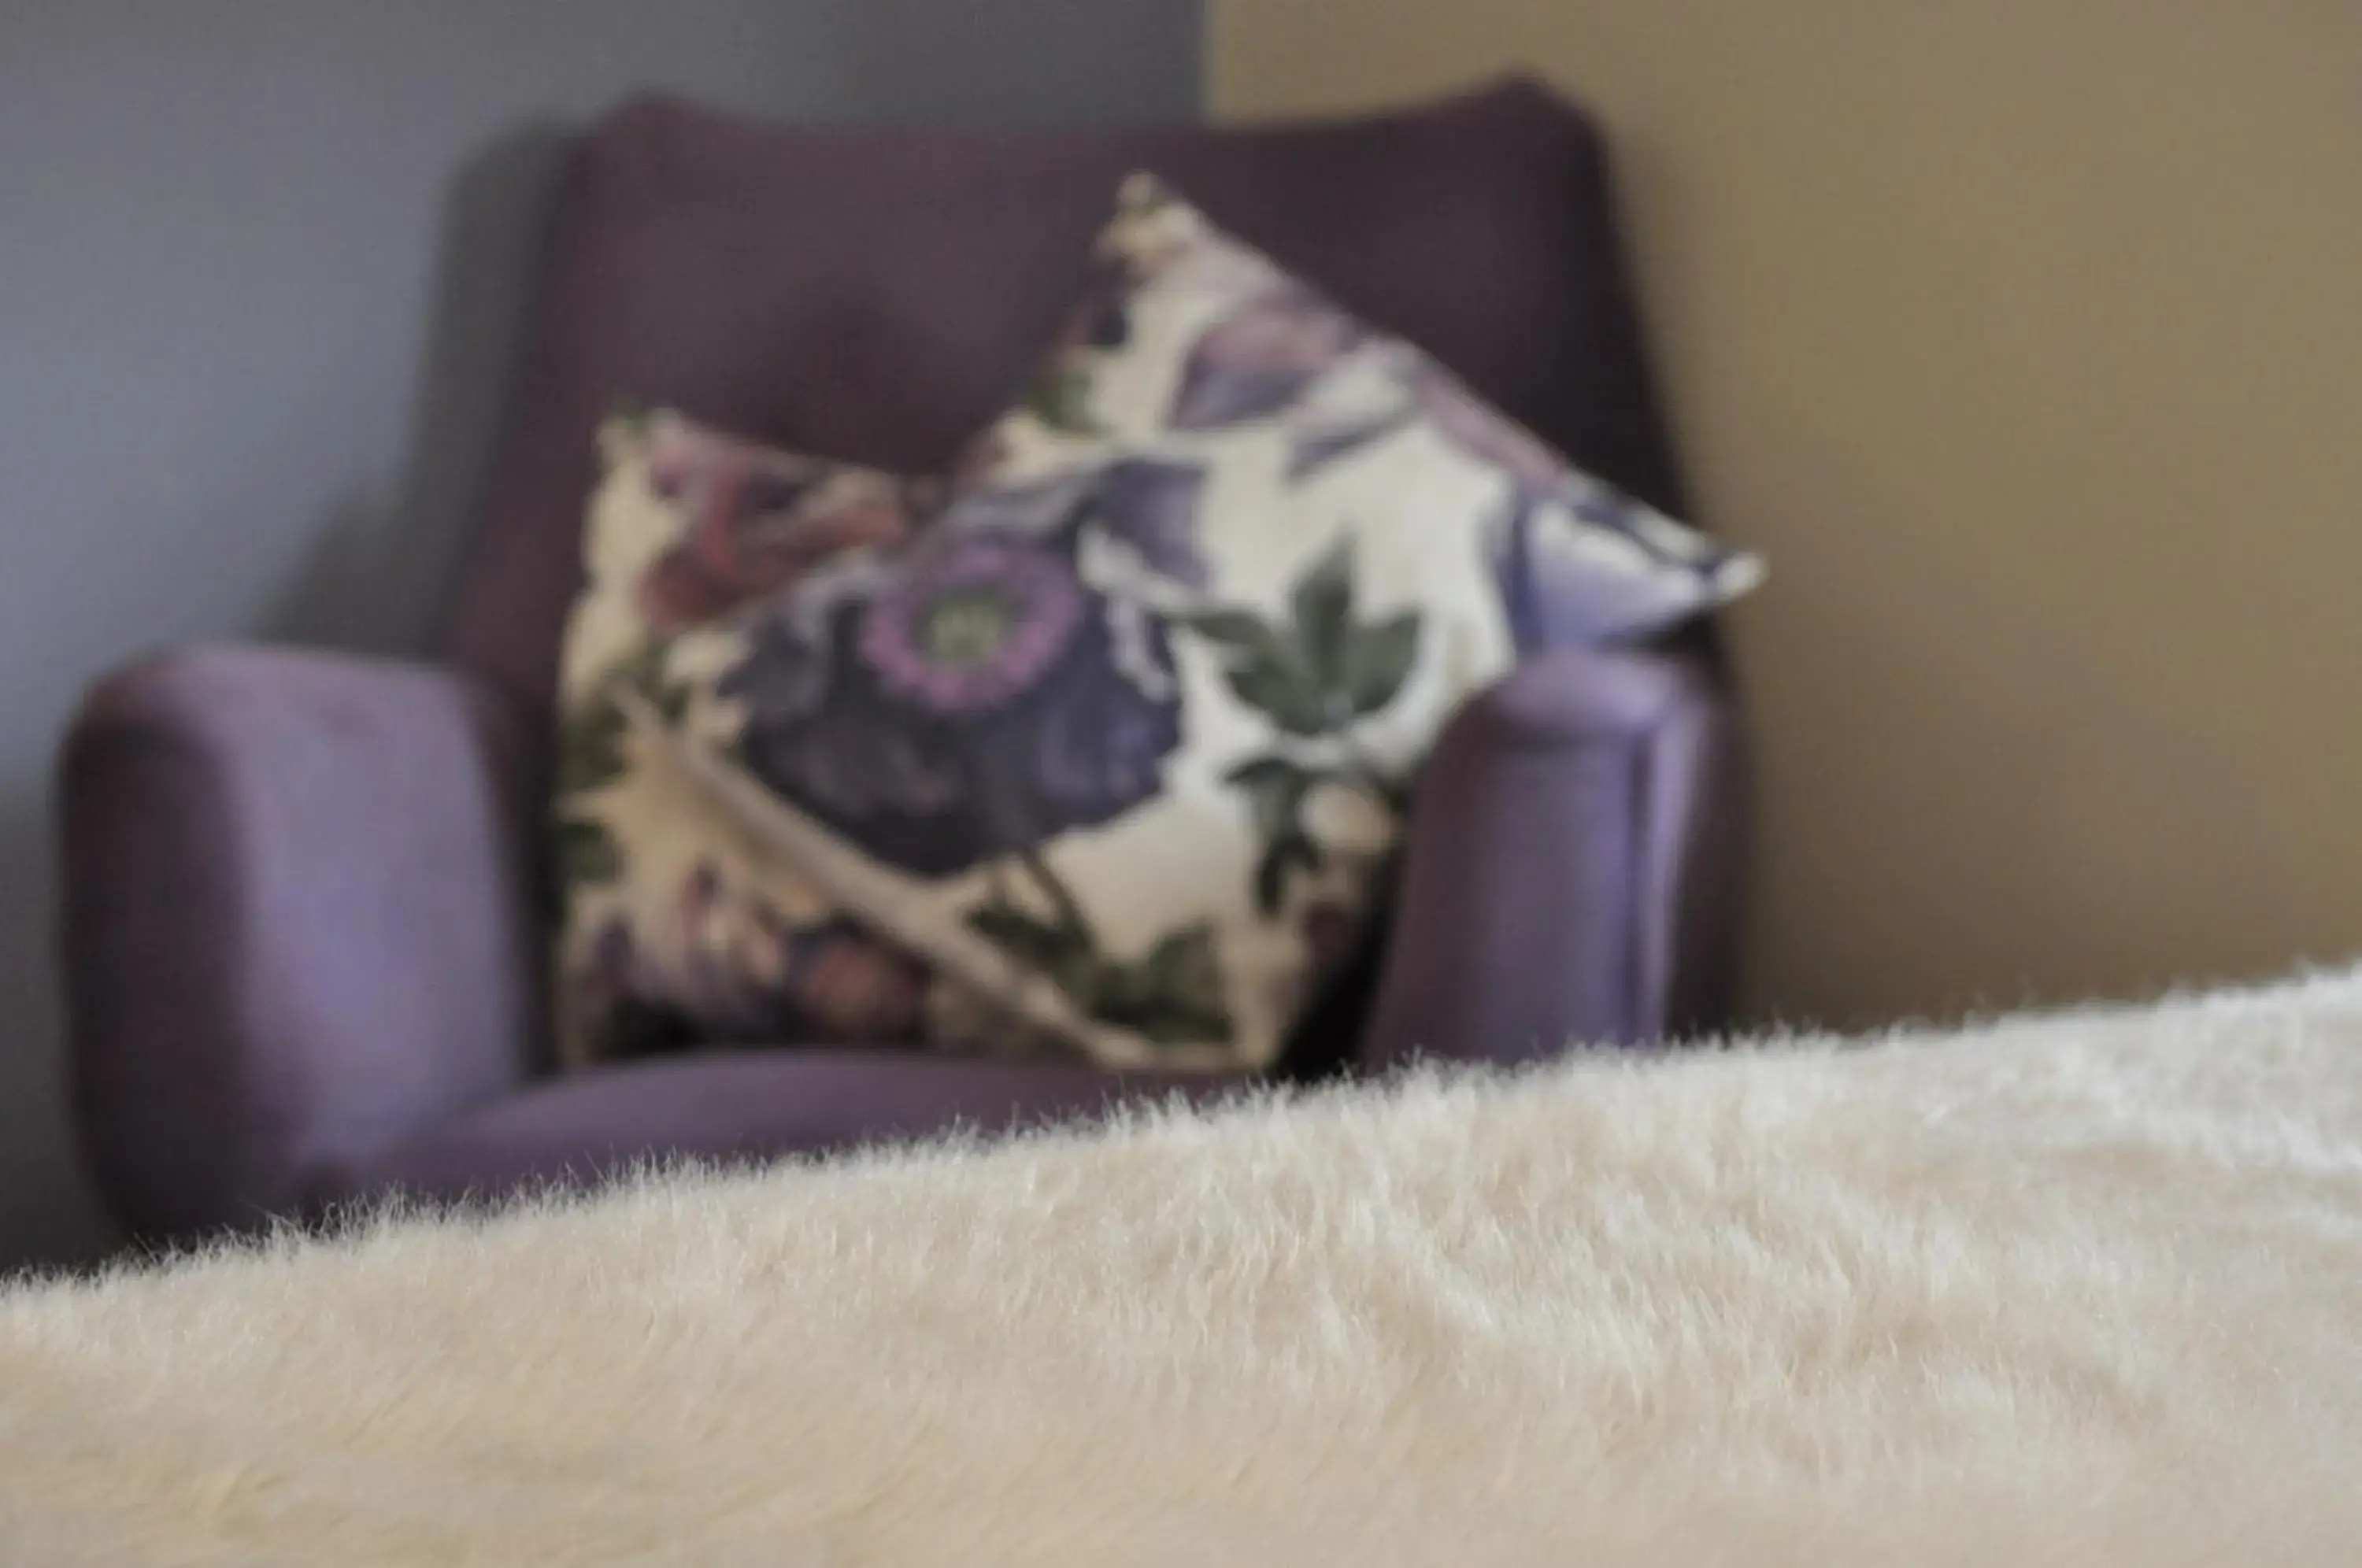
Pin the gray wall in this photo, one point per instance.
(261, 266)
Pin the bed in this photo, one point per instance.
(2076, 1287)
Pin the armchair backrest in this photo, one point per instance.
(876, 295)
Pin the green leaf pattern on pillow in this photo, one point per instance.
(1314, 676)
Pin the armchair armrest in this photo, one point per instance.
(295, 925)
(1571, 873)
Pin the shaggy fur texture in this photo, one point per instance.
(2085, 1288)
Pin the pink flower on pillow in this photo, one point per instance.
(731, 967)
(756, 520)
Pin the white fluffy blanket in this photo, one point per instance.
(2076, 1289)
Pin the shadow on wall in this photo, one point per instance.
(378, 581)
(222, 307)
(381, 576)
(382, 571)
(375, 573)
(39, 1226)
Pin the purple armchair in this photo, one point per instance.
(304, 936)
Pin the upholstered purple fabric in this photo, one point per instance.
(301, 956)
(736, 1104)
(1572, 869)
(295, 923)
(877, 296)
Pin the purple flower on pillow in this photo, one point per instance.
(1262, 359)
(756, 520)
(973, 627)
(1256, 360)
(1146, 504)
(1469, 424)
(982, 701)
(1264, 355)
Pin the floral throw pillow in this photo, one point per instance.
(680, 927)
(1112, 753)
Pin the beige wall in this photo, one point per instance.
(2025, 337)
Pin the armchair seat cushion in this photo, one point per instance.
(738, 1105)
